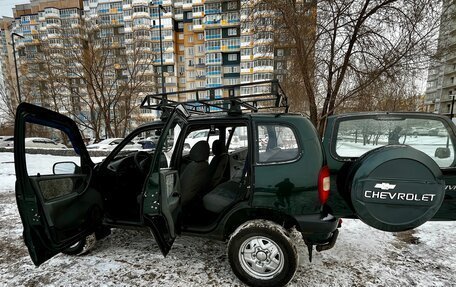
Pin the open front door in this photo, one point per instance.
(58, 208)
(161, 201)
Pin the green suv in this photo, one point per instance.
(264, 175)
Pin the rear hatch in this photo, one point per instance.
(394, 171)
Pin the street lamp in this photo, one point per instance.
(452, 105)
(161, 8)
(15, 64)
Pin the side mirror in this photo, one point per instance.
(442, 152)
(65, 167)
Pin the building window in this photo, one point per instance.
(188, 15)
(232, 57)
(246, 52)
(232, 69)
(280, 52)
(190, 39)
(213, 34)
(196, 9)
(181, 36)
(232, 5)
(200, 36)
(232, 32)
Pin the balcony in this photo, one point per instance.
(214, 73)
(231, 48)
(198, 14)
(263, 69)
(214, 37)
(217, 61)
(246, 58)
(198, 28)
(213, 49)
(212, 11)
(247, 44)
(263, 55)
(247, 71)
(48, 15)
(136, 15)
(230, 22)
(212, 23)
(140, 2)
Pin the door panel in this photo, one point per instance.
(57, 210)
(161, 197)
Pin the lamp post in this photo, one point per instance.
(160, 8)
(451, 117)
(452, 106)
(15, 64)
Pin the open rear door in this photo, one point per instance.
(394, 171)
(161, 201)
(58, 208)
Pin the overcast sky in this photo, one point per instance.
(6, 6)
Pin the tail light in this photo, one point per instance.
(323, 185)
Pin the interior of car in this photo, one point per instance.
(212, 173)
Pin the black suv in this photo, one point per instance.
(252, 179)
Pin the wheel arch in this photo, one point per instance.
(235, 219)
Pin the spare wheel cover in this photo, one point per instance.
(396, 188)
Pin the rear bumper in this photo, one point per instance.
(315, 230)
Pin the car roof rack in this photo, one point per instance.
(233, 99)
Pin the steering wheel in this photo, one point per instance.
(141, 160)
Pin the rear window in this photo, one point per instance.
(276, 143)
(357, 136)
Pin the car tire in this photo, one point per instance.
(76, 248)
(261, 254)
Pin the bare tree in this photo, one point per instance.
(341, 48)
(9, 97)
(94, 79)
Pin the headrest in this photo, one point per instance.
(218, 147)
(200, 151)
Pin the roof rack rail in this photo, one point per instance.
(233, 99)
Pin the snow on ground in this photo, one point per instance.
(362, 256)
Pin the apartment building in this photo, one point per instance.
(187, 44)
(441, 82)
(7, 76)
(41, 27)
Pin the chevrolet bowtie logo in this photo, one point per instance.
(385, 186)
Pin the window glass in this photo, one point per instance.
(46, 146)
(48, 152)
(239, 140)
(276, 143)
(358, 136)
